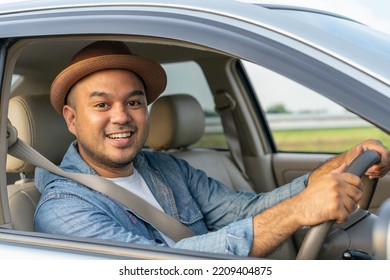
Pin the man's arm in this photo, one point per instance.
(330, 195)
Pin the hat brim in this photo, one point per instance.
(152, 74)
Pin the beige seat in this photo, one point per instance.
(177, 122)
(41, 127)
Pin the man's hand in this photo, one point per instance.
(381, 168)
(378, 170)
(332, 196)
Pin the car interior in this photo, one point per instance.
(177, 122)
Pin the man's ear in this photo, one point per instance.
(70, 117)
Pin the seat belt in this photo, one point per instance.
(165, 223)
(225, 104)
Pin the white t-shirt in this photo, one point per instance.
(137, 185)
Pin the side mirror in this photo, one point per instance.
(381, 233)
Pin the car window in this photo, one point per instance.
(187, 77)
(302, 120)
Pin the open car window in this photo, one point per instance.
(302, 120)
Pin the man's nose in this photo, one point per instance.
(120, 114)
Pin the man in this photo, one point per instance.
(103, 96)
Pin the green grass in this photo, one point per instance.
(315, 140)
(326, 140)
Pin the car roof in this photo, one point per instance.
(369, 52)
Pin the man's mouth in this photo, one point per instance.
(118, 136)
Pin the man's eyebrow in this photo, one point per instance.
(105, 94)
(98, 94)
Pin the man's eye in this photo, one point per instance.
(133, 103)
(101, 105)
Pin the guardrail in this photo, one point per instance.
(299, 121)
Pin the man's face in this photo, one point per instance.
(107, 112)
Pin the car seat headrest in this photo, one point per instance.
(39, 126)
(176, 121)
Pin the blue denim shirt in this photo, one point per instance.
(220, 218)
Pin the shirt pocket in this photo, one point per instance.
(191, 216)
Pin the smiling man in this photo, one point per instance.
(103, 95)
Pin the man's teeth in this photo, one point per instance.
(119, 135)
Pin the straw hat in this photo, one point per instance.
(102, 55)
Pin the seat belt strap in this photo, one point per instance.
(225, 104)
(165, 223)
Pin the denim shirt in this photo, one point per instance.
(220, 218)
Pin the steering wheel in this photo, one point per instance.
(316, 235)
